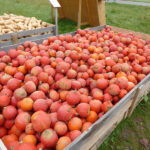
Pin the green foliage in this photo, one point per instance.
(145, 98)
(129, 17)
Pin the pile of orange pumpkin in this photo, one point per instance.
(52, 92)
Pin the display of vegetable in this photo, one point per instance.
(52, 92)
(12, 23)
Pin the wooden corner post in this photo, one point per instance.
(134, 101)
(79, 14)
(15, 38)
(52, 13)
(101, 12)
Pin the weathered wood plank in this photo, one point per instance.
(20, 41)
(79, 14)
(8, 36)
(101, 12)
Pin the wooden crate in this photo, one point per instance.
(102, 128)
(28, 35)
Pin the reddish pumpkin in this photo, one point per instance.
(83, 109)
(8, 123)
(40, 121)
(54, 95)
(55, 106)
(106, 106)
(64, 84)
(92, 117)
(3, 131)
(44, 87)
(22, 120)
(12, 145)
(30, 87)
(114, 89)
(62, 67)
(102, 83)
(1, 119)
(25, 146)
(15, 130)
(49, 138)
(5, 78)
(40, 104)
(29, 64)
(75, 124)
(4, 100)
(63, 95)
(53, 118)
(29, 129)
(85, 126)
(9, 112)
(60, 128)
(73, 97)
(65, 113)
(9, 138)
(6, 92)
(97, 94)
(122, 82)
(95, 105)
(30, 139)
(37, 95)
(13, 84)
(74, 134)
(20, 93)
(63, 142)
(43, 77)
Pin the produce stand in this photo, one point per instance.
(102, 128)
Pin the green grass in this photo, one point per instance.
(147, 1)
(137, 18)
(37, 8)
(129, 17)
(129, 132)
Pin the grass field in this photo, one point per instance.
(147, 1)
(129, 133)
